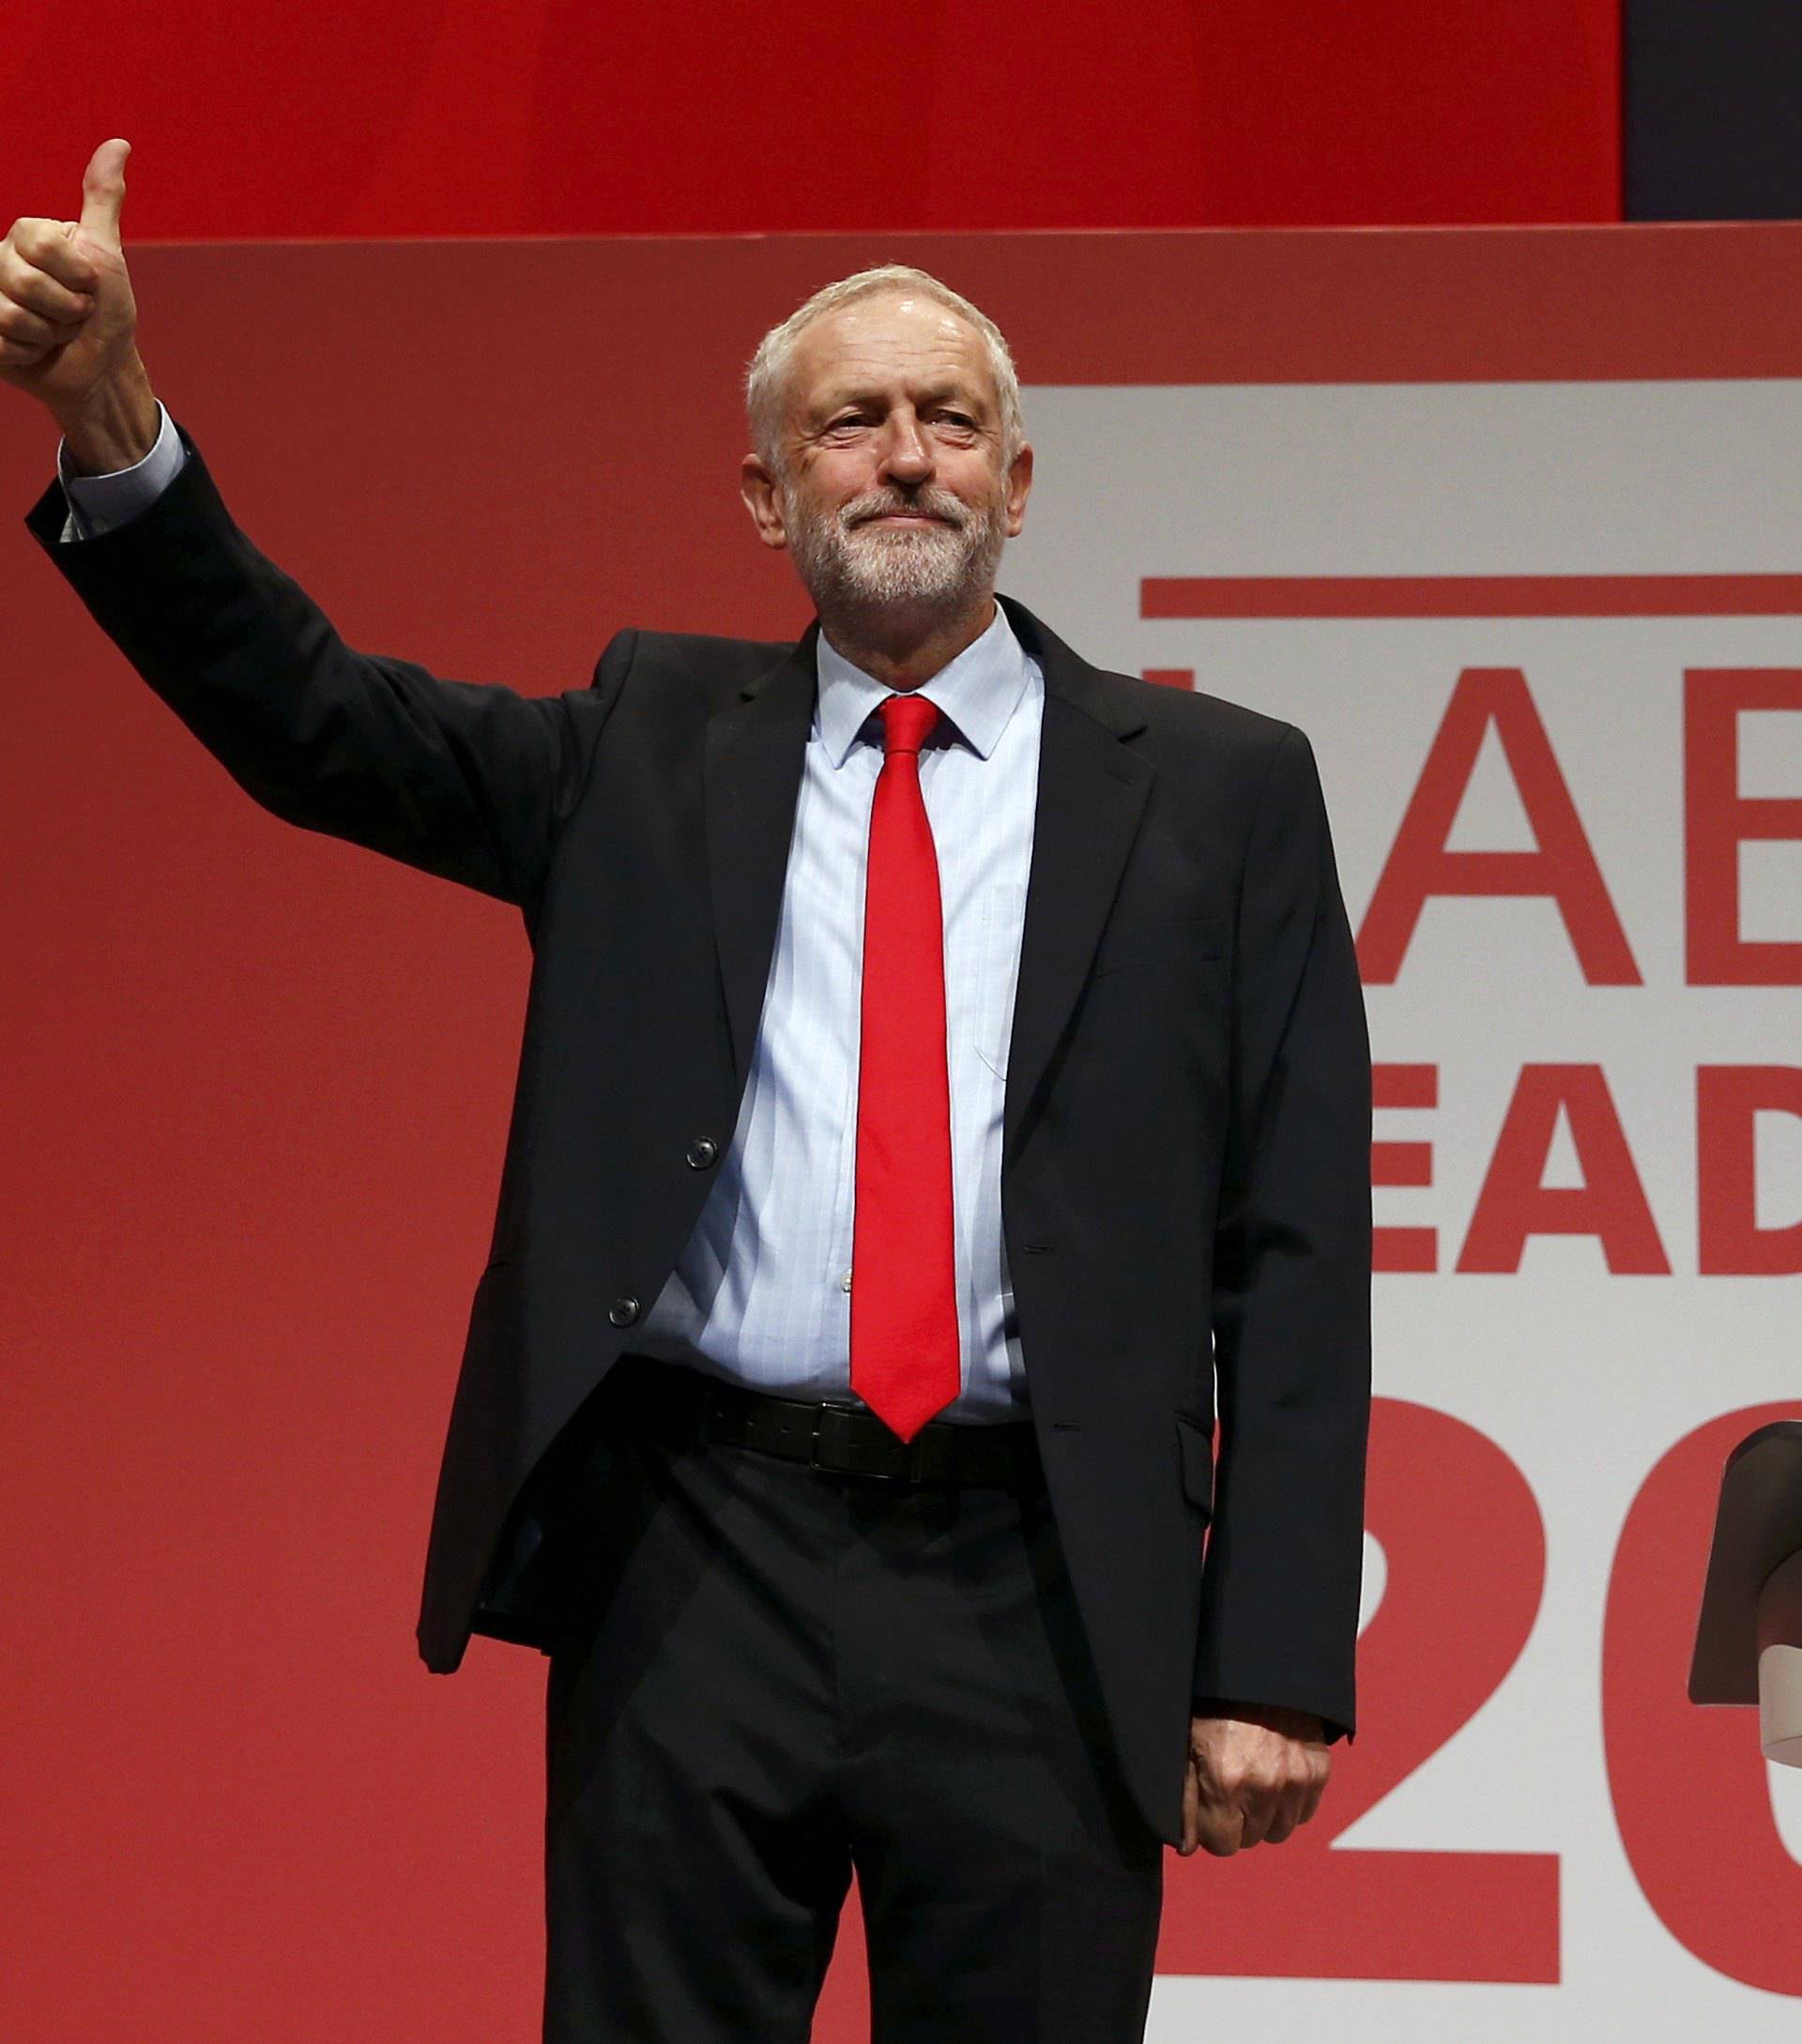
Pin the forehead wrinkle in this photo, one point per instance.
(847, 390)
(856, 374)
(852, 348)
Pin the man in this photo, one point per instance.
(934, 1045)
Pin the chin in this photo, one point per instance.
(904, 567)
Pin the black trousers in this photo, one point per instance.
(788, 1674)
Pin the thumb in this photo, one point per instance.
(103, 192)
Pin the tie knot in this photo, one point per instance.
(906, 719)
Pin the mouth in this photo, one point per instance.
(903, 518)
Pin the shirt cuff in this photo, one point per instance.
(98, 504)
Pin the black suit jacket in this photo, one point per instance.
(1186, 1172)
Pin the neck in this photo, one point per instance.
(900, 648)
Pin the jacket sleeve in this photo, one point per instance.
(1291, 1322)
(462, 780)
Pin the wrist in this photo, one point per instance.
(1292, 1722)
(114, 425)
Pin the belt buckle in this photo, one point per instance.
(909, 1470)
(821, 1414)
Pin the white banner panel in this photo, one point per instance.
(1545, 638)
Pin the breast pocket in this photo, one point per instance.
(1004, 913)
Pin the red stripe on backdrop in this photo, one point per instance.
(1471, 596)
(534, 116)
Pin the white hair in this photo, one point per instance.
(766, 380)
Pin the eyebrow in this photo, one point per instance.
(934, 393)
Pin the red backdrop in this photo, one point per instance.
(258, 1082)
(557, 116)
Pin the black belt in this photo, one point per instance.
(846, 1439)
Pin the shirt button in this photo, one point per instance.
(701, 1153)
(623, 1310)
(845, 1282)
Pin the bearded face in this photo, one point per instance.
(888, 469)
(921, 549)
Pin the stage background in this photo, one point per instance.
(259, 120)
(258, 1086)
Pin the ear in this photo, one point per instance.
(762, 497)
(1019, 486)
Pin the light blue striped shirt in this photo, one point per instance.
(760, 1295)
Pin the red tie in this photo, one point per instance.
(904, 1281)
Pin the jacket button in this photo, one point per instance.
(623, 1311)
(701, 1153)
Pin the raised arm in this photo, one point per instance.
(465, 781)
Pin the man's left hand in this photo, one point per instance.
(1252, 1776)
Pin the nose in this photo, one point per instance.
(907, 453)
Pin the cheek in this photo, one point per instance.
(831, 479)
(974, 479)
(804, 502)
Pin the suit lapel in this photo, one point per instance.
(752, 775)
(1091, 793)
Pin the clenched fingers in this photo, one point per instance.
(1221, 1830)
(1214, 1823)
(31, 330)
(22, 284)
(1251, 1779)
(1293, 1807)
(50, 246)
(16, 354)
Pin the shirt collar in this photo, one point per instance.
(978, 691)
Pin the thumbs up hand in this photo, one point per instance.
(68, 322)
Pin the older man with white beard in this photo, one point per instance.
(984, 970)
(892, 462)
